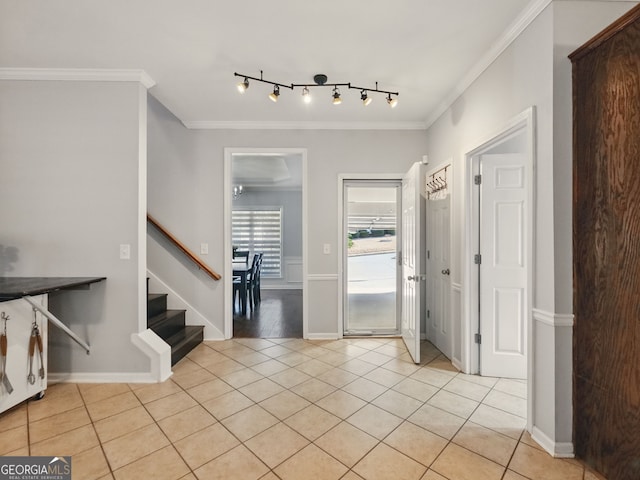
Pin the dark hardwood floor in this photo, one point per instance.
(279, 315)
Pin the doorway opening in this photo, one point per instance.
(499, 258)
(371, 275)
(265, 242)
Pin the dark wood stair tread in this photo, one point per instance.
(169, 324)
(163, 317)
(184, 341)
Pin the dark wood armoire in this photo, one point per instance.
(606, 249)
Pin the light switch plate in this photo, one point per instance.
(125, 251)
(326, 249)
(204, 249)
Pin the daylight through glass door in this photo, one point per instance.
(371, 257)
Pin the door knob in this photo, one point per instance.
(446, 271)
(411, 278)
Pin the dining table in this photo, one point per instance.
(241, 268)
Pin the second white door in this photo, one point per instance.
(503, 266)
(439, 274)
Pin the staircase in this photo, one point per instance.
(170, 326)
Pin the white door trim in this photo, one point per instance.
(524, 122)
(228, 251)
(342, 177)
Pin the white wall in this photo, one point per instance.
(533, 71)
(69, 189)
(190, 163)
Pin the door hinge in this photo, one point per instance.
(477, 179)
(477, 259)
(428, 254)
(428, 313)
(477, 338)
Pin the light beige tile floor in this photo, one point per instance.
(285, 409)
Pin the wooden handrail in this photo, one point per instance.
(192, 256)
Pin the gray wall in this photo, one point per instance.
(291, 203)
(69, 191)
(190, 164)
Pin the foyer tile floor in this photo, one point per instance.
(291, 409)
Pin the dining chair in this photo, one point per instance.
(241, 254)
(252, 278)
(256, 282)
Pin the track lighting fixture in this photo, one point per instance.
(320, 81)
(275, 94)
(336, 96)
(306, 96)
(242, 86)
(366, 99)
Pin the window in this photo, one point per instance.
(260, 230)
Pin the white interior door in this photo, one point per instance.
(503, 267)
(412, 267)
(438, 264)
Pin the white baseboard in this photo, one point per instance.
(289, 286)
(102, 377)
(457, 363)
(323, 336)
(555, 449)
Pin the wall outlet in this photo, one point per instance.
(326, 249)
(125, 251)
(204, 249)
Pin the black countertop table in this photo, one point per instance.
(18, 287)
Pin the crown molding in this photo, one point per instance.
(78, 75)
(246, 125)
(510, 34)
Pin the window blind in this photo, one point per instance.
(260, 230)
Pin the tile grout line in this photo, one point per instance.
(330, 366)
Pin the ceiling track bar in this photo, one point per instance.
(322, 85)
(373, 89)
(308, 85)
(263, 80)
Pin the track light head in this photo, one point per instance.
(336, 96)
(242, 86)
(366, 99)
(275, 94)
(306, 96)
(392, 101)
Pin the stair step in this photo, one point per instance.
(156, 304)
(167, 323)
(185, 340)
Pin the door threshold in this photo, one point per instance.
(371, 334)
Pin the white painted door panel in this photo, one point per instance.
(503, 268)
(438, 274)
(412, 192)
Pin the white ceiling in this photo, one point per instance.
(191, 48)
(259, 171)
